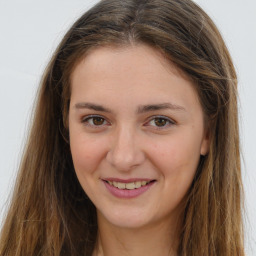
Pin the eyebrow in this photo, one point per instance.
(92, 106)
(162, 106)
(141, 109)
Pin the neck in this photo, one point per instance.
(158, 239)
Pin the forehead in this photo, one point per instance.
(97, 57)
(129, 72)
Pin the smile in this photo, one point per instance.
(129, 186)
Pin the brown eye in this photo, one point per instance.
(98, 120)
(160, 122)
(94, 121)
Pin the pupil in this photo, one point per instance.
(160, 121)
(98, 121)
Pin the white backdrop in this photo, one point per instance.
(30, 31)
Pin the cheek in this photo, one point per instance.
(87, 153)
(177, 156)
(176, 160)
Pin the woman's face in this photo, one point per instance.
(136, 134)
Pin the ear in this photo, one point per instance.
(205, 144)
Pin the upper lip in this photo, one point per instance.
(127, 180)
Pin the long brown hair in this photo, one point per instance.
(51, 215)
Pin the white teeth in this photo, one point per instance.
(121, 185)
(143, 183)
(137, 184)
(129, 186)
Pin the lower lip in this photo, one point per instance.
(128, 193)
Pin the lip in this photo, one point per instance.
(127, 193)
(126, 180)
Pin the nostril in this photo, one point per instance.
(124, 162)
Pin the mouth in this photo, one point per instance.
(127, 189)
(129, 185)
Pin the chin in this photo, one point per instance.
(129, 219)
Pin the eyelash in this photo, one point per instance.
(86, 120)
(169, 122)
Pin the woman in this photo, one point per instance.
(134, 148)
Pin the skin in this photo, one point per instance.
(132, 141)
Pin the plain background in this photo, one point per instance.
(30, 31)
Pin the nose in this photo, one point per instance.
(125, 152)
